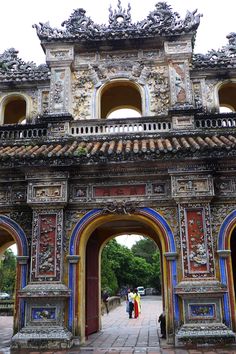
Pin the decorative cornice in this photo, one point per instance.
(14, 69)
(221, 58)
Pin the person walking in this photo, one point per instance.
(131, 302)
(137, 303)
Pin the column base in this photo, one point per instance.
(203, 334)
(42, 338)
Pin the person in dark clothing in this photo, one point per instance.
(131, 302)
(162, 320)
(105, 297)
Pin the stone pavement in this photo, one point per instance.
(119, 335)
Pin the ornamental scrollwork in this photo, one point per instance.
(120, 207)
(161, 21)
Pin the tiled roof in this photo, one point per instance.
(115, 148)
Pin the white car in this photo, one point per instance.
(4, 296)
(141, 290)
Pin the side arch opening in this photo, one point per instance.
(15, 108)
(227, 97)
(12, 234)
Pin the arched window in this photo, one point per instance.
(227, 98)
(14, 111)
(120, 99)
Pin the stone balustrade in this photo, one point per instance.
(214, 123)
(96, 127)
(118, 127)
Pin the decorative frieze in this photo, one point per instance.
(94, 193)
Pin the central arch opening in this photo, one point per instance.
(119, 99)
(90, 244)
(97, 241)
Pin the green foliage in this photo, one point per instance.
(145, 248)
(121, 266)
(8, 272)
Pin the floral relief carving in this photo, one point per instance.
(171, 216)
(159, 90)
(196, 240)
(209, 94)
(82, 87)
(47, 245)
(218, 214)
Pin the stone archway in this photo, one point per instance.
(16, 232)
(86, 243)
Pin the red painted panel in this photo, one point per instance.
(197, 249)
(119, 191)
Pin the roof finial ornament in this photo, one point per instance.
(120, 17)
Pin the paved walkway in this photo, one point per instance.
(119, 335)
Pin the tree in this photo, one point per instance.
(121, 267)
(8, 272)
(155, 277)
(145, 248)
(108, 276)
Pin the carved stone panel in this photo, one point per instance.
(225, 186)
(83, 82)
(202, 310)
(58, 55)
(47, 192)
(47, 245)
(44, 101)
(78, 193)
(196, 239)
(183, 122)
(192, 186)
(12, 194)
(176, 48)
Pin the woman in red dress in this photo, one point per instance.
(136, 303)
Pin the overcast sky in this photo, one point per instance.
(18, 16)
